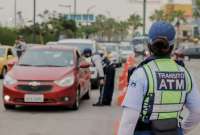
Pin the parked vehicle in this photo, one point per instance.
(81, 44)
(113, 53)
(6, 54)
(47, 76)
(140, 45)
(125, 50)
(191, 52)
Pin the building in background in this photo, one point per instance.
(184, 29)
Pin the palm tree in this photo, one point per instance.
(158, 15)
(135, 21)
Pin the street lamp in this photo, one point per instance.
(15, 13)
(144, 16)
(75, 10)
(34, 20)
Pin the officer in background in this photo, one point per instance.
(96, 60)
(109, 71)
(20, 46)
(158, 90)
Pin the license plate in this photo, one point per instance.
(33, 98)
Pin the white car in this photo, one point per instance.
(81, 44)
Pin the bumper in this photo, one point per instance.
(56, 97)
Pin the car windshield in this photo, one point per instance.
(126, 48)
(47, 58)
(2, 52)
(80, 46)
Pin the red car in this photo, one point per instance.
(47, 76)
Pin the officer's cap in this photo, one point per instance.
(162, 29)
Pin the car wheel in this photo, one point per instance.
(77, 101)
(4, 72)
(9, 107)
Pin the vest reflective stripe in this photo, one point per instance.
(162, 104)
(167, 108)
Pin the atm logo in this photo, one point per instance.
(171, 81)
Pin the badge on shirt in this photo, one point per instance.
(133, 84)
(171, 81)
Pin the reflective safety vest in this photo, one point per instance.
(168, 86)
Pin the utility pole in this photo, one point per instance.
(75, 9)
(75, 12)
(15, 13)
(34, 20)
(144, 16)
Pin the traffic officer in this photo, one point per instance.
(158, 90)
(109, 71)
(96, 60)
(20, 46)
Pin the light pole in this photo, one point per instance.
(15, 13)
(75, 9)
(34, 20)
(144, 16)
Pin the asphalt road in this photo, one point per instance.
(57, 121)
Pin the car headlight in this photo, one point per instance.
(8, 80)
(66, 81)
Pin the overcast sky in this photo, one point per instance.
(119, 9)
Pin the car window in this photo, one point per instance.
(9, 52)
(2, 52)
(46, 58)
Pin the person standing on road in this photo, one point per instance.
(95, 59)
(20, 46)
(109, 71)
(158, 91)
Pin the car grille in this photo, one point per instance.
(40, 88)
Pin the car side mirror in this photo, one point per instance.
(84, 65)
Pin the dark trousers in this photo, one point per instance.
(109, 85)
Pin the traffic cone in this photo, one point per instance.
(121, 82)
(116, 127)
(121, 96)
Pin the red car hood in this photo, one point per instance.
(39, 73)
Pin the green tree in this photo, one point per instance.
(171, 17)
(158, 15)
(196, 10)
(135, 21)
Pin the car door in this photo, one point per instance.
(85, 74)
